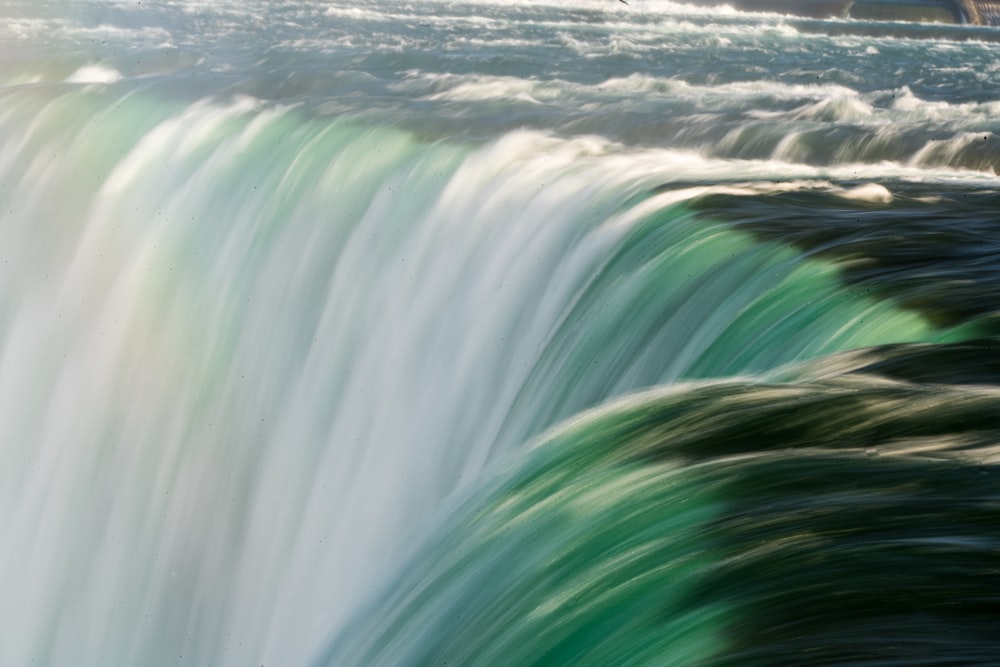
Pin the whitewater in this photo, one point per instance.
(496, 333)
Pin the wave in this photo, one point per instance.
(819, 125)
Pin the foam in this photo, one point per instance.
(94, 74)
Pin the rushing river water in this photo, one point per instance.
(496, 333)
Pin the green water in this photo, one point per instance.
(559, 333)
(850, 521)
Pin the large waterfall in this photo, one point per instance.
(386, 333)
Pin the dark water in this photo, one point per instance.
(387, 333)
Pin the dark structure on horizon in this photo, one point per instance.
(973, 12)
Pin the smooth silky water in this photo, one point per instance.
(481, 333)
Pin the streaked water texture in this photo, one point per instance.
(564, 333)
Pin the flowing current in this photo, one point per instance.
(496, 333)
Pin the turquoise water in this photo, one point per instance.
(722, 524)
(495, 333)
